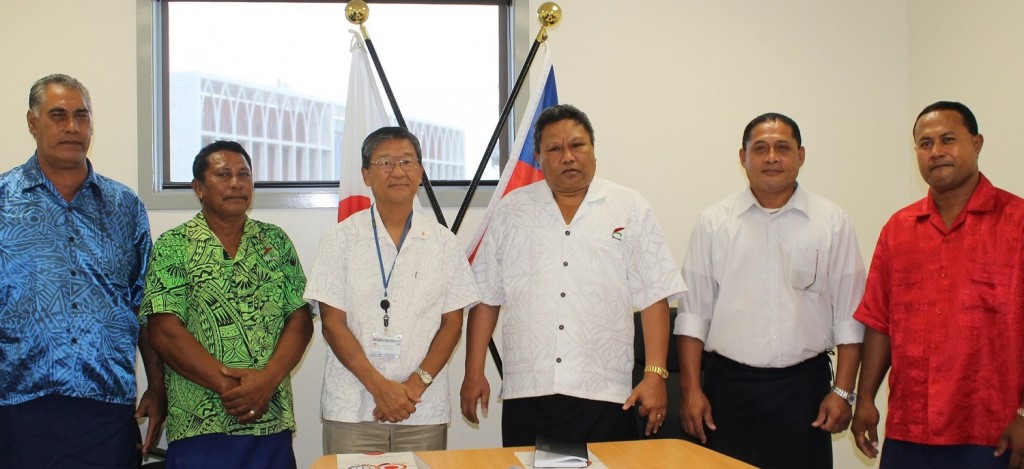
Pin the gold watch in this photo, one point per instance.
(656, 370)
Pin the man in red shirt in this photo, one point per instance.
(944, 306)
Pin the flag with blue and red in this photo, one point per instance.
(522, 167)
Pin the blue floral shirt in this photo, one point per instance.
(71, 279)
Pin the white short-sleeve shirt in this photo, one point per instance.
(569, 291)
(431, 277)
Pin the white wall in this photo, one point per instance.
(669, 86)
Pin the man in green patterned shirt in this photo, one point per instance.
(224, 305)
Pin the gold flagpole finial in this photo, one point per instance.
(549, 14)
(357, 12)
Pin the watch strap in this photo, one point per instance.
(848, 396)
(656, 370)
(424, 376)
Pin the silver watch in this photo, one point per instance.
(849, 396)
(424, 376)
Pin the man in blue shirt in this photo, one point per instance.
(73, 251)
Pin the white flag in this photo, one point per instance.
(364, 113)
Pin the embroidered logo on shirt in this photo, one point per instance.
(267, 256)
(617, 233)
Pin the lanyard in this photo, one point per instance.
(385, 304)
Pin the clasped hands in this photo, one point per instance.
(396, 401)
(246, 394)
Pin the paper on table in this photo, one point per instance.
(526, 458)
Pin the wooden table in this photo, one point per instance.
(642, 454)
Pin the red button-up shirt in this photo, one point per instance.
(952, 303)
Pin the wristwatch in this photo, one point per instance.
(656, 370)
(424, 376)
(849, 396)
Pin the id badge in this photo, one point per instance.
(386, 346)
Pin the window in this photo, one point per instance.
(274, 77)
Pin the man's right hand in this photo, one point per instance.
(475, 388)
(695, 413)
(395, 402)
(865, 427)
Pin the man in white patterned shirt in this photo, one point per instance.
(391, 285)
(571, 258)
(774, 275)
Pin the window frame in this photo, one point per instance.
(153, 147)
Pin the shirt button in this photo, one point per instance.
(562, 294)
(567, 232)
(558, 360)
(561, 327)
(565, 264)
(71, 239)
(73, 273)
(74, 340)
(74, 305)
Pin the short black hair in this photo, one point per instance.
(202, 161)
(560, 112)
(378, 136)
(968, 117)
(770, 117)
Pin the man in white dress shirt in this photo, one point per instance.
(391, 286)
(774, 276)
(571, 258)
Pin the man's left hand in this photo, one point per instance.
(834, 414)
(650, 393)
(1013, 439)
(153, 405)
(248, 401)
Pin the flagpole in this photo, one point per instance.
(549, 14)
(357, 12)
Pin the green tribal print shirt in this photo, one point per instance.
(236, 308)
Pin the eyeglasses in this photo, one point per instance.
(386, 166)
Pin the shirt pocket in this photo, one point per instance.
(987, 288)
(805, 272)
(609, 255)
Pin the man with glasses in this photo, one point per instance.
(569, 259)
(774, 275)
(391, 285)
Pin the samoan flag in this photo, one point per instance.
(524, 168)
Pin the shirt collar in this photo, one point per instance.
(417, 229)
(199, 229)
(983, 199)
(33, 177)
(798, 201)
(596, 191)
